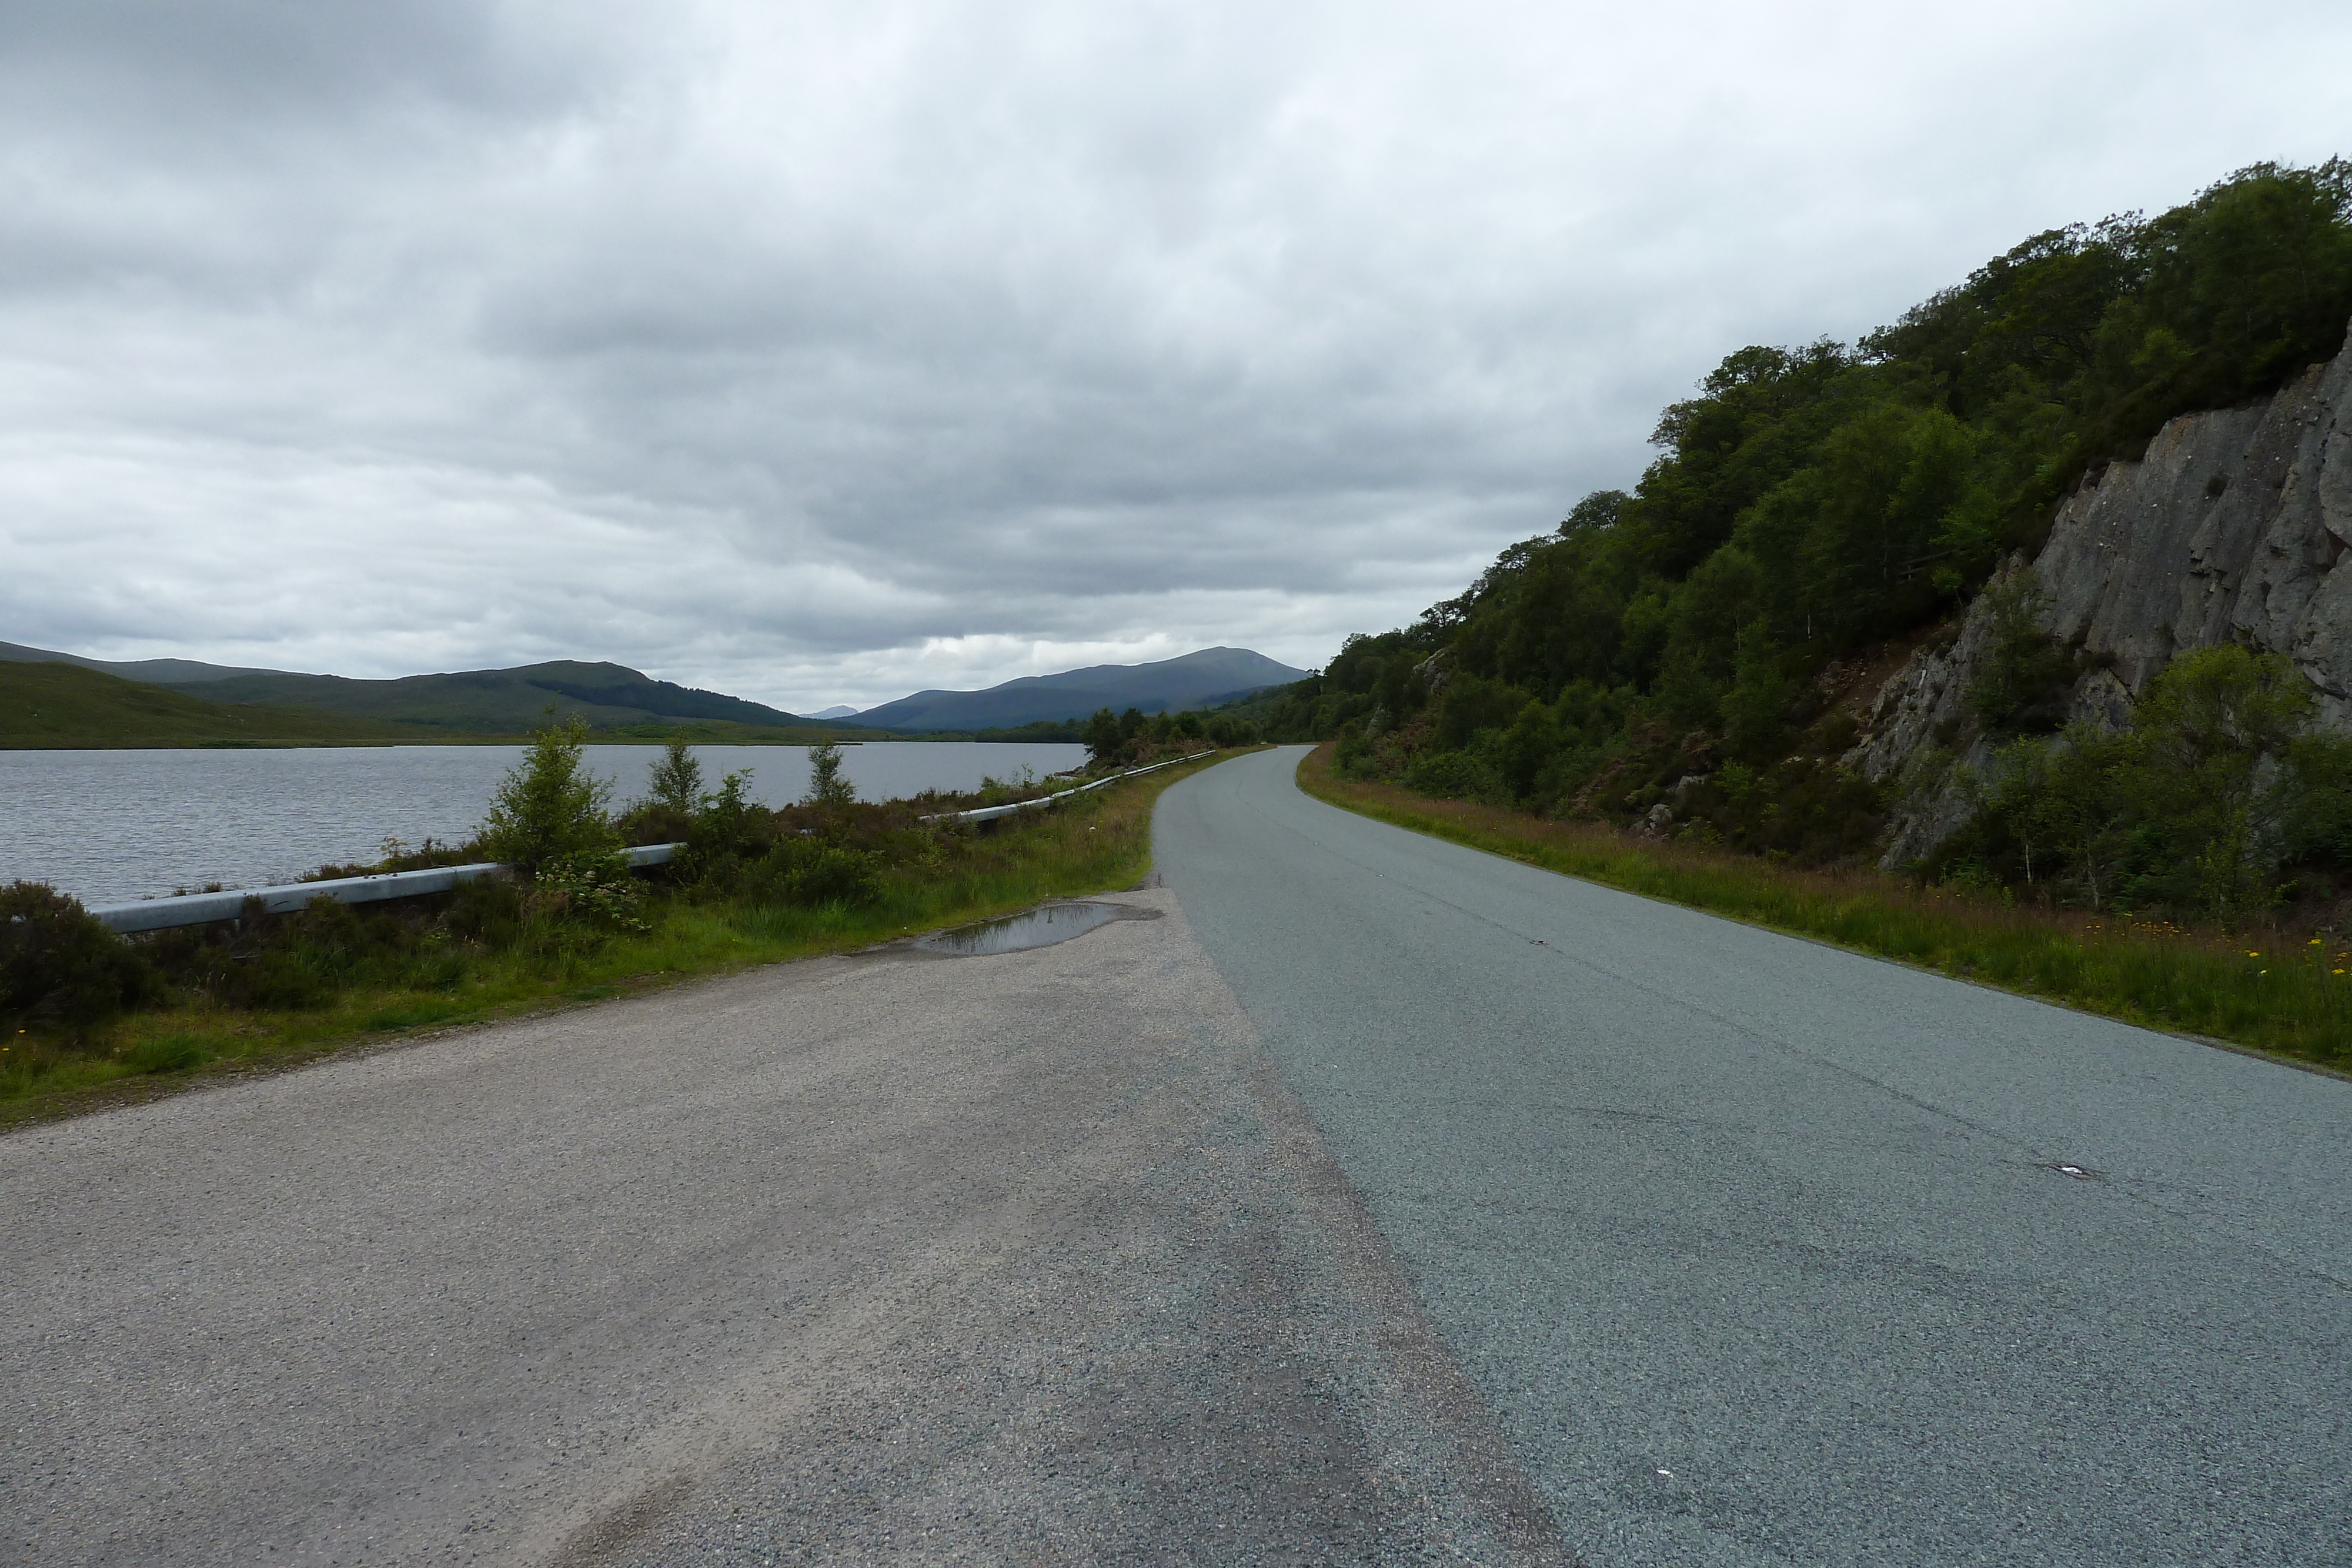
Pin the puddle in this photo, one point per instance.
(1040, 927)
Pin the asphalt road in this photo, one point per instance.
(1760, 1251)
(1361, 1200)
(1024, 1258)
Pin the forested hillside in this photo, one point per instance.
(1813, 508)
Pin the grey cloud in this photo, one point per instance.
(821, 355)
(229, 72)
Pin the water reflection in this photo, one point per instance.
(1039, 927)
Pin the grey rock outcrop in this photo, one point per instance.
(2228, 528)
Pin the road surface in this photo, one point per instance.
(1359, 1199)
(1762, 1251)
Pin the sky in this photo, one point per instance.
(819, 354)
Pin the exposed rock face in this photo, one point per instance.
(2227, 530)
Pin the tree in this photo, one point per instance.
(549, 806)
(676, 781)
(826, 786)
(1103, 738)
(2028, 674)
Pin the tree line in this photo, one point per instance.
(1812, 502)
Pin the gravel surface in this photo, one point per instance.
(1762, 1251)
(889, 1259)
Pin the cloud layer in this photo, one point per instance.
(825, 353)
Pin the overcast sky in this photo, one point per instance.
(821, 353)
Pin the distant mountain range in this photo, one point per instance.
(481, 702)
(1196, 680)
(609, 696)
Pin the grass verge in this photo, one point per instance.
(1100, 842)
(2284, 993)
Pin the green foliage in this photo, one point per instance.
(594, 887)
(805, 879)
(811, 874)
(1453, 775)
(1757, 709)
(1036, 732)
(1810, 502)
(826, 786)
(676, 784)
(548, 805)
(47, 704)
(2200, 807)
(59, 966)
(1103, 738)
(2026, 675)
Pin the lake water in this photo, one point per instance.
(107, 826)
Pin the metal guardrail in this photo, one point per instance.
(206, 908)
(989, 814)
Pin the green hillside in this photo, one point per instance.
(507, 701)
(65, 705)
(1834, 504)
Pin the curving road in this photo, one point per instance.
(1357, 1198)
(1763, 1252)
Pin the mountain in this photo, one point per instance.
(1194, 680)
(492, 702)
(838, 711)
(154, 672)
(57, 703)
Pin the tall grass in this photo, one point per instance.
(1098, 841)
(2280, 990)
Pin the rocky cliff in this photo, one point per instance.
(2228, 529)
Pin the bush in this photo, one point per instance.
(2199, 807)
(810, 873)
(2028, 674)
(594, 887)
(548, 805)
(58, 965)
(728, 831)
(1453, 775)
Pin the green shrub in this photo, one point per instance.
(2027, 674)
(59, 966)
(596, 888)
(486, 911)
(1452, 775)
(548, 805)
(811, 873)
(727, 825)
(2217, 788)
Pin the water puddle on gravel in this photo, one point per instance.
(1040, 927)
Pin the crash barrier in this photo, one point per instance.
(205, 908)
(989, 814)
